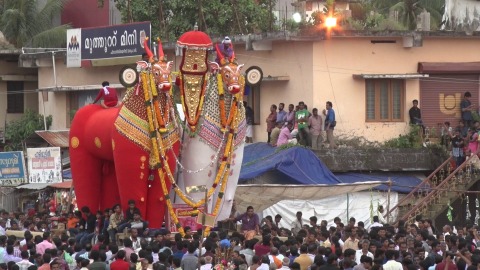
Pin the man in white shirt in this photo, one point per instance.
(285, 264)
(392, 264)
(380, 213)
(297, 224)
(363, 251)
(375, 223)
(208, 263)
(24, 263)
(2, 226)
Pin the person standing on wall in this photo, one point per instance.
(467, 107)
(271, 120)
(416, 116)
(330, 123)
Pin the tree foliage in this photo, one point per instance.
(16, 132)
(25, 23)
(215, 17)
(408, 10)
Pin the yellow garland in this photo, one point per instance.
(222, 174)
(155, 150)
(225, 179)
(220, 84)
(169, 203)
(153, 86)
(221, 103)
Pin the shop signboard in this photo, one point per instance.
(114, 41)
(44, 165)
(12, 169)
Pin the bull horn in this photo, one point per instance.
(233, 54)
(161, 55)
(147, 50)
(220, 55)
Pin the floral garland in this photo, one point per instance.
(154, 137)
(192, 125)
(159, 150)
(228, 159)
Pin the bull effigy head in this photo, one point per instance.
(230, 71)
(160, 69)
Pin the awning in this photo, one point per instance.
(263, 196)
(405, 76)
(65, 88)
(449, 68)
(34, 186)
(56, 138)
(64, 185)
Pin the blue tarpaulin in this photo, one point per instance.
(301, 166)
(401, 182)
(296, 165)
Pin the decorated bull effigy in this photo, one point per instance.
(143, 150)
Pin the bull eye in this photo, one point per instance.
(156, 73)
(227, 75)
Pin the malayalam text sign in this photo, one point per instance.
(12, 169)
(106, 42)
(44, 165)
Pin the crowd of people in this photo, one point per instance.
(258, 245)
(463, 138)
(298, 125)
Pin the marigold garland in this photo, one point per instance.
(228, 147)
(159, 150)
(156, 161)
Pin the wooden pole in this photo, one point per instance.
(204, 217)
(388, 199)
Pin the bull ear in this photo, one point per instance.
(214, 66)
(141, 65)
(170, 65)
(239, 67)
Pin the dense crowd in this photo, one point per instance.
(89, 242)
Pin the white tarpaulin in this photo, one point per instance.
(345, 206)
(263, 196)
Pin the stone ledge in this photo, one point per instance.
(342, 160)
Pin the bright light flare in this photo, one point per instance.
(331, 22)
(297, 17)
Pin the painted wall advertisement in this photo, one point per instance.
(44, 165)
(106, 42)
(12, 169)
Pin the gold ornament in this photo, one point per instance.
(74, 142)
(98, 143)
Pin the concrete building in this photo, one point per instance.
(370, 79)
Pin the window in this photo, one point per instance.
(385, 100)
(15, 102)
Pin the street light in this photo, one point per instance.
(297, 17)
(331, 22)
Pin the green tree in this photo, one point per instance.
(16, 132)
(172, 18)
(25, 23)
(408, 10)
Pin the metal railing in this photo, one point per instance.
(461, 173)
(429, 181)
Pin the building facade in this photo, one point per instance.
(371, 80)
